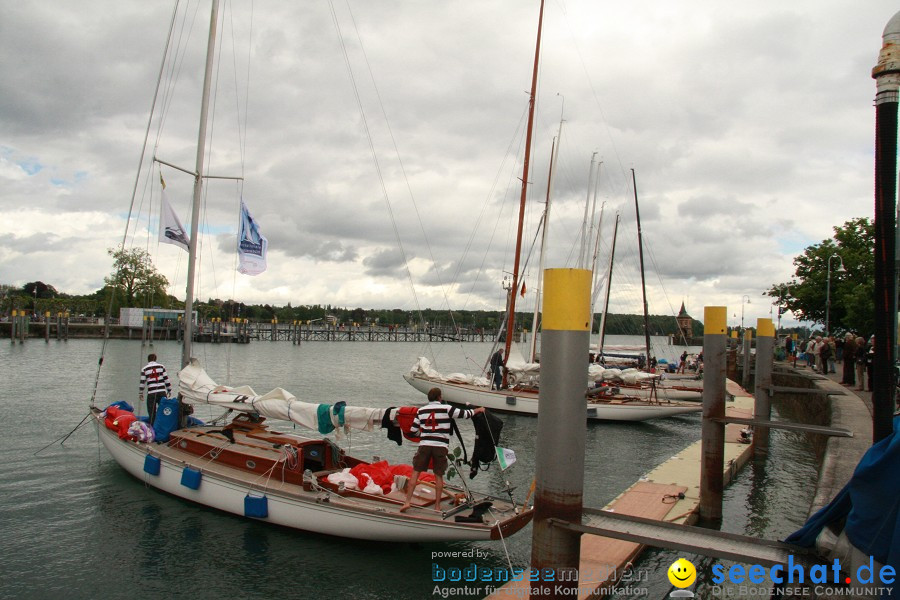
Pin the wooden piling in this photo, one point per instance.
(765, 362)
(559, 464)
(713, 432)
(745, 373)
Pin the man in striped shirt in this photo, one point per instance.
(155, 383)
(433, 425)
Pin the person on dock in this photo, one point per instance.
(433, 424)
(848, 377)
(155, 384)
(870, 363)
(497, 369)
(860, 363)
(682, 365)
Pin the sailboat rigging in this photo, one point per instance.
(513, 396)
(511, 309)
(637, 213)
(243, 467)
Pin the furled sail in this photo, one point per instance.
(197, 387)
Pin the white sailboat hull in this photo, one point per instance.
(523, 402)
(288, 505)
(662, 392)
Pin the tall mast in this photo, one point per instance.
(637, 213)
(583, 248)
(546, 220)
(198, 187)
(511, 313)
(612, 256)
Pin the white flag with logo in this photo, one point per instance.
(252, 245)
(171, 231)
(505, 457)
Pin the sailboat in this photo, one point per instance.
(522, 398)
(242, 466)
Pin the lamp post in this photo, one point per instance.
(840, 269)
(742, 309)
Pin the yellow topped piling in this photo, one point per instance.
(559, 461)
(564, 307)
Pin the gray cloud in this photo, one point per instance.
(749, 128)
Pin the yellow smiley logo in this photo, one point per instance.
(682, 573)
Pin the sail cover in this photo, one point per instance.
(196, 387)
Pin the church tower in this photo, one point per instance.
(684, 326)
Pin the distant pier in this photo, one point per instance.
(243, 332)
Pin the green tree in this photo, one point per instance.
(135, 281)
(852, 290)
(39, 289)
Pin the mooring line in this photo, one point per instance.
(63, 439)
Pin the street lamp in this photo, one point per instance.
(742, 309)
(840, 269)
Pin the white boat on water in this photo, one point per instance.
(244, 468)
(462, 390)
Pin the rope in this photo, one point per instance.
(65, 437)
(502, 541)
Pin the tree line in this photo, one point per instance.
(135, 282)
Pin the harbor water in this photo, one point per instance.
(76, 526)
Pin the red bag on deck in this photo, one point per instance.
(119, 420)
(383, 474)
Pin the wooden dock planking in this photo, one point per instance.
(681, 473)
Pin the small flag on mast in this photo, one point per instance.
(171, 231)
(252, 245)
(505, 457)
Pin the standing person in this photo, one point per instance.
(155, 383)
(433, 424)
(497, 369)
(849, 373)
(683, 364)
(860, 363)
(815, 348)
(825, 356)
(870, 362)
(832, 352)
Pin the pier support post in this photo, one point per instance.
(762, 406)
(47, 327)
(58, 326)
(712, 480)
(887, 77)
(562, 421)
(745, 372)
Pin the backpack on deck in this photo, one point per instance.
(487, 436)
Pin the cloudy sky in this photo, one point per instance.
(381, 143)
